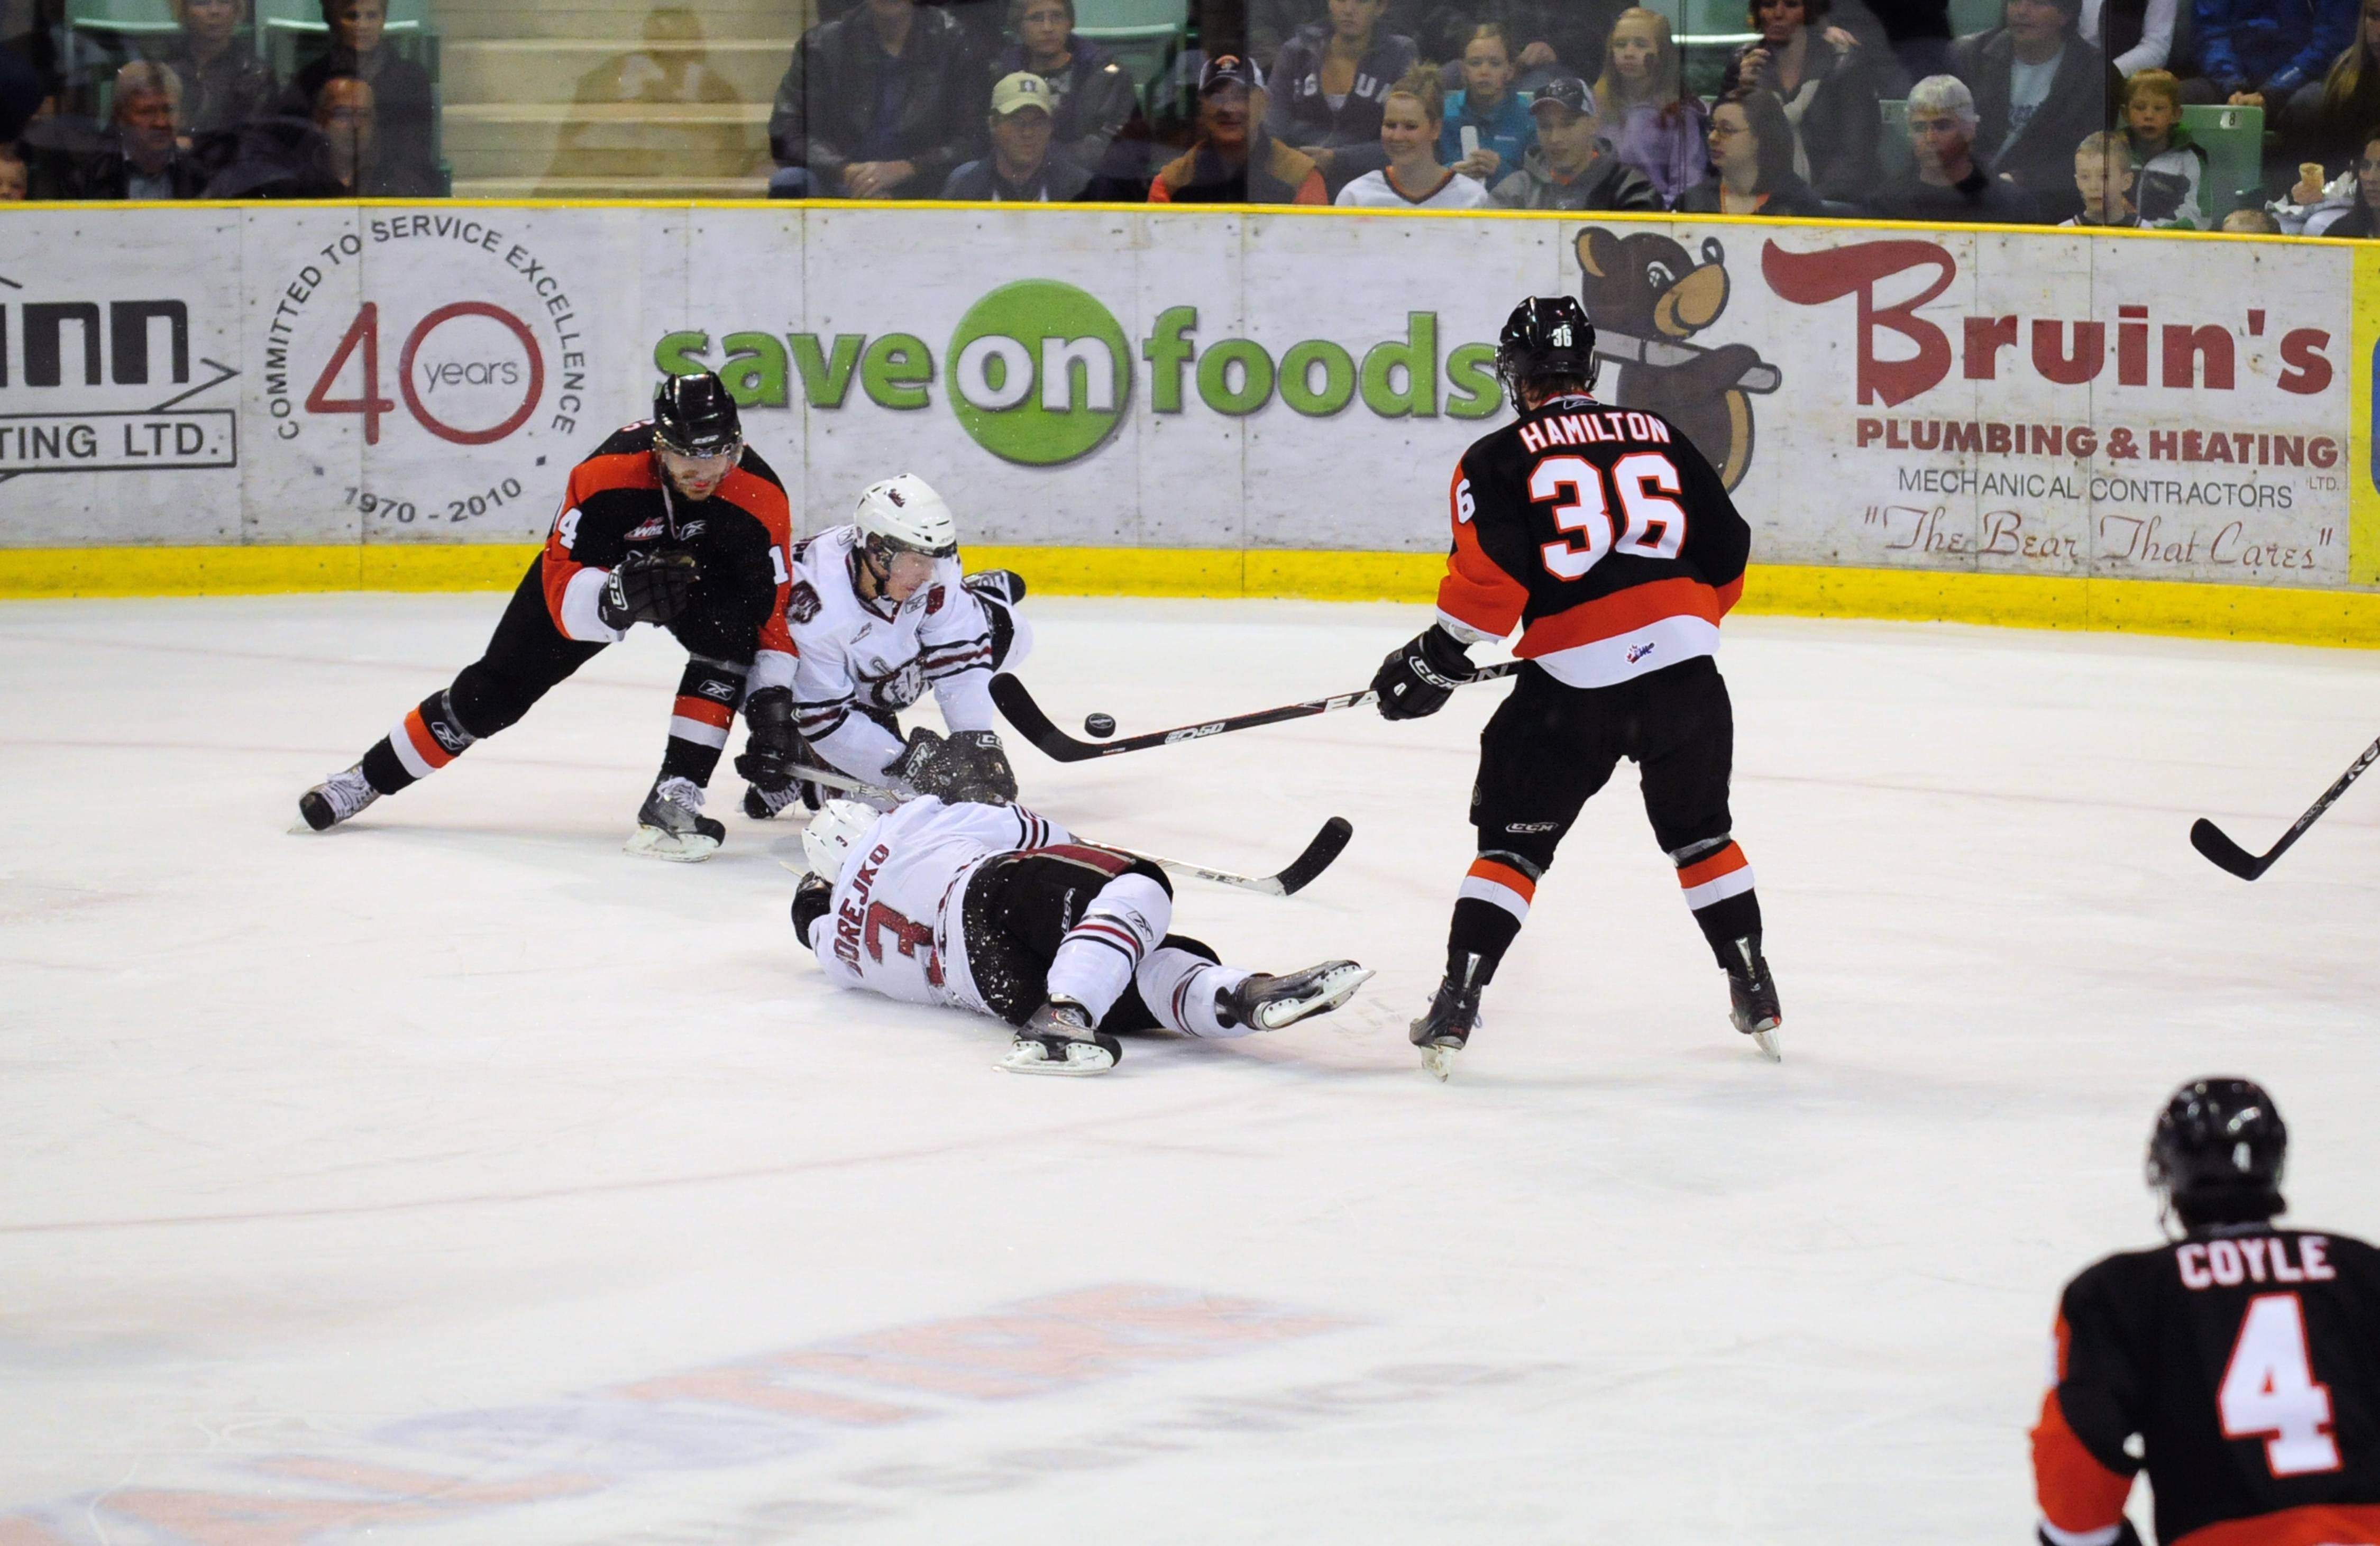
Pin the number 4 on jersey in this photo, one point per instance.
(2269, 1389)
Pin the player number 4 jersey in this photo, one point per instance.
(2245, 1363)
(1601, 533)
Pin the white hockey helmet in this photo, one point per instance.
(904, 511)
(833, 832)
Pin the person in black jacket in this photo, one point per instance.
(1329, 86)
(1091, 93)
(403, 108)
(1022, 166)
(134, 157)
(2039, 89)
(882, 104)
(1821, 79)
(1949, 188)
(224, 83)
(1751, 161)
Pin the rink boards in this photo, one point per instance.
(2021, 425)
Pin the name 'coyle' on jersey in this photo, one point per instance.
(1602, 533)
(2245, 1360)
(896, 923)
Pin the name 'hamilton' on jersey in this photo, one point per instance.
(1602, 533)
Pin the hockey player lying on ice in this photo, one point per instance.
(994, 909)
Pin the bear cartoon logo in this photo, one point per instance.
(1647, 298)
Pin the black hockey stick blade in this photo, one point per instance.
(2224, 854)
(1328, 845)
(1016, 705)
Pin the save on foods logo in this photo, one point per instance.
(1041, 372)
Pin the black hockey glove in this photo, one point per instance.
(989, 779)
(955, 771)
(774, 746)
(811, 898)
(1417, 679)
(648, 588)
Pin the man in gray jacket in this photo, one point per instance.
(883, 103)
(1569, 167)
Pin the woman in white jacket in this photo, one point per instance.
(1410, 118)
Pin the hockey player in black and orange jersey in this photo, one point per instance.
(1607, 539)
(2243, 1360)
(673, 521)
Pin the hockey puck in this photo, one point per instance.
(1098, 725)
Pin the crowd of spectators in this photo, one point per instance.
(200, 113)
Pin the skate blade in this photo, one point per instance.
(1766, 1041)
(1333, 988)
(678, 847)
(1082, 1060)
(1439, 1061)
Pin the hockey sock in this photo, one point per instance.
(1489, 910)
(1180, 988)
(425, 740)
(707, 695)
(1718, 882)
(1096, 959)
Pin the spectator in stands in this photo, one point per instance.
(1948, 187)
(1920, 34)
(2347, 208)
(14, 181)
(2135, 35)
(335, 152)
(883, 103)
(2325, 119)
(2102, 174)
(1751, 161)
(2038, 90)
(404, 131)
(1497, 119)
(1022, 167)
(1411, 120)
(1234, 161)
(1092, 95)
(1653, 124)
(1570, 168)
(1271, 23)
(2251, 223)
(2170, 167)
(1823, 82)
(1328, 86)
(2258, 52)
(224, 83)
(136, 156)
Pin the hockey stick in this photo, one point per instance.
(2209, 839)
(1017, 706)
(1328, 843)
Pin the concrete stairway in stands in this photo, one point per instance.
(598, 100)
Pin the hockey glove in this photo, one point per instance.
(648, 588)
(989, 780)
(1417, 679)
(811, 898)
(774, 746)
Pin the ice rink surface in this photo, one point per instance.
(455, 1178)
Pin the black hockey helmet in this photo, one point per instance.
(694, 417)
(2217, 1152)
(1546, 336)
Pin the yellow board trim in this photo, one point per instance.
(2274, 614)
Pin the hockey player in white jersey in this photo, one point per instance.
(879, 610)
(994, 909)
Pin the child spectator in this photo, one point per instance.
(2251, 223)
(2257, 53)
(1328, 87)
(882, 103)
(1411, 120)
(137, 156)
(1751, 161)
(2102, 174)
(1233, 161)
(2323, 118)
(224, 83)
(1570, 168)
(2135, 35)
(1824, 86)
(1499, 120)
(1653, 125)
(2171, 165)
(1948, 187)
(2038, 90)
(1022, 168)
(1091, 96)
(403, 108)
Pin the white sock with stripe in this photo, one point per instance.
(1180, 989)
(1096, 959)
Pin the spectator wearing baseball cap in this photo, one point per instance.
(1570, 168)
(1233, 161)
(1091, 93)
(1020, 169)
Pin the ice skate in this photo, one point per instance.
(1060, 1039)
(762, 805)
(1752, 999)
(1270, 1003)
(336, 798)
(1446, 1029)
(671, 826)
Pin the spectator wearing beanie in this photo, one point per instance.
(1234, 161)
(2038, 90)
(1328, 86)
(1751, 161)
(1022, 166)
(884, 101)
(1823, 83)
(1571, 168)
(1414, 179)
